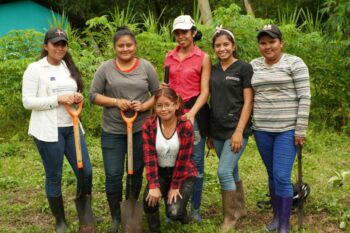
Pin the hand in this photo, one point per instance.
(137, 106)
(190, 116)
(78, 97)
(210, 143)
(172, 195)
(66, 99)
(123, 104)
(164, 85)
(154, 197)
(299, 141)
(236, 141)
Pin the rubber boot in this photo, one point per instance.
(229, 204)
(114, 200)
(273, 225)
(153, 222)
(240, 212)
(57, 208)
(284, 208)
(85, 214)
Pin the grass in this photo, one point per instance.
(23, 206)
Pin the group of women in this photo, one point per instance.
(169, 141)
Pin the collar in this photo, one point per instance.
(195, 52)
(44, 63)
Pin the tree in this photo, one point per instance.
(204, 7)
(248, 7)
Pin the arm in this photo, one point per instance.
(237, 137)
(203, 96)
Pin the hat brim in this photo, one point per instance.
(182, 27)
(57, 39)
(269, 33)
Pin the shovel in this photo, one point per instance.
(82, 201)
(300, 194)
(131, 209)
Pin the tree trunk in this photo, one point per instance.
(248, 7)
(205, 10)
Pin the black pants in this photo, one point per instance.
(174, 211)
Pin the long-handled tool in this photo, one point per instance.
(300, 191)
(131, 209)
(166, 74)
(82, 200)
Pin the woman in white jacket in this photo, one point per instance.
(49, 84)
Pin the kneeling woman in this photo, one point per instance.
(167, 146)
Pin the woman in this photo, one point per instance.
(48, 85)
(120, 84)
(281, 111)
(168, 142)
(189, 72)
(231, 106)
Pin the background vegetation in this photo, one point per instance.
(319, 35)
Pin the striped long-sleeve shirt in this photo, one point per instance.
(281, 95)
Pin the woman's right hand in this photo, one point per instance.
(154, 197)
(66, 99)
(123, 104)
(164, 85)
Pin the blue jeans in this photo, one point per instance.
(114, 150)
(52, 154)
(198, 160)
(277, 150)
(228, 171)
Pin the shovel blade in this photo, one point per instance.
(86, 217)
(131, 216)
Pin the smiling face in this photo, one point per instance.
(184, 37)
(270, 48)
(125, 48)
(165, 108)
(56, 51)
(224, 47)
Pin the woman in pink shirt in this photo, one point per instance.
(189, 73)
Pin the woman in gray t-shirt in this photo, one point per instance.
(124, 83)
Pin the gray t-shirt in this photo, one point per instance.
(137, 84)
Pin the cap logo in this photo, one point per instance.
(267, 27)
(60, 33)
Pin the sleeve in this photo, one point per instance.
(300, 75)
(180, 172)
(247, 74)
(149, 156)
(98, 84)
(153, 81)
(30, 90)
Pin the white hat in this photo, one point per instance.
(184, 22)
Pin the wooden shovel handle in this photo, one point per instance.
(129, 121)
(74, 114)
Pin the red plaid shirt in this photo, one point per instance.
(184, 167)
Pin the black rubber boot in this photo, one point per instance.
(56, 206)
(273, 225)
(114, 200)
(86, 217)
(284, 208)
(153, 222)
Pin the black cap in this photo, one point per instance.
(271, 30)
(56, 34)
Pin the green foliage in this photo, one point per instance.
(59, 21)
(338, 179)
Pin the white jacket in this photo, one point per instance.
(37, 95)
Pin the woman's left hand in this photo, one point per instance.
(299, 141)
(172, 195)
(190, 116)
(236, 141)
(78, 97)
(136, 106)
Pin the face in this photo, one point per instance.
(125, 48)
(270, 48)
(224, 48)
(56, 51)
(184, 37)
(165, 108)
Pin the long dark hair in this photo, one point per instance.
(172, 96)
(229, 37)
(74, 71)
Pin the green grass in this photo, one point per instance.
(23, 206)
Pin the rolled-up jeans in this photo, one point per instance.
(177, 210)
(228, 171)
(114, 150)
(277, 150)
(52, 154)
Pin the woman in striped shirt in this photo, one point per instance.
(280, 117)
